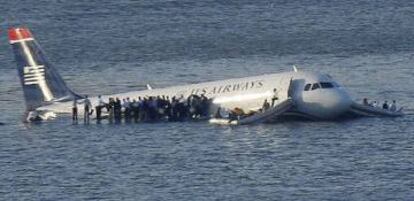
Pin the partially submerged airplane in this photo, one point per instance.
(302, 94)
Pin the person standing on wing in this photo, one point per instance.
(87, 106)
(75, 112)
(385, 105)
(101, 104)
(117, 110)
(393, 106)
(275, 97)
(365, 101)
(265, 106)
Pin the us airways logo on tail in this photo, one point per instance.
(34, 74)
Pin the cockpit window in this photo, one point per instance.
(323, 85)
(307, 87)
(315, 86)
(326, 85)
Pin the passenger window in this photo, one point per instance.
(307, 87)
(326, 85)
(315, 86)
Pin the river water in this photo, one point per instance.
(103, 47)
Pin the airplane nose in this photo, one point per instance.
(327, 103)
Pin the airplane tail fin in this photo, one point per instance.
(40, 81)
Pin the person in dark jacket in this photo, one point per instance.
(385, 105)
(87, 106)
(117, 110)
(75, 112)
(101, 104)
(135, 110)
(110, 108)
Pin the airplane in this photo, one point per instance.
(303, 94)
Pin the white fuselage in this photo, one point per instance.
(326, 101)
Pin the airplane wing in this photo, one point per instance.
(258, 117)
(358, 109)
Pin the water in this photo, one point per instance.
(112, 46)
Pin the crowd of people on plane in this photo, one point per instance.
(145, 109)
(386, 106)
(156, 108)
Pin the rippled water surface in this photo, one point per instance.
(102, 47)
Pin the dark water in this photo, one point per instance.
(112, 46)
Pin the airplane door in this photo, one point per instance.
(283, 88)
(290, 87)
(296, 88)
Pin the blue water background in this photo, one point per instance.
(103, 47)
